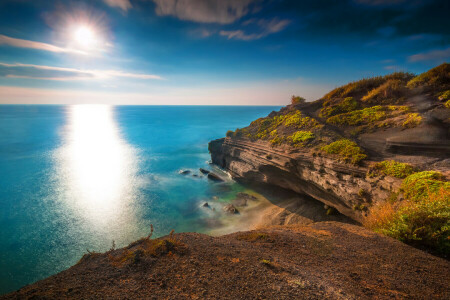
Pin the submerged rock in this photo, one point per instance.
(229, 208)
(214, 177)
(205, 204)
(184, 172)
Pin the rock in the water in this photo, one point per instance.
(214, 177)
(204, 171)
(195, 175)
(184, 172)
(215, 198)
(229, 208)
(205, 204)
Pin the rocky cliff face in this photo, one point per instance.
(343, 186)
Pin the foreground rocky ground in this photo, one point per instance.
(318, 261)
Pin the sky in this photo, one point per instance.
(210, 52)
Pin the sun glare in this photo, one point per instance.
(84, 36)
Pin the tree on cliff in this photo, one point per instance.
(297, 99)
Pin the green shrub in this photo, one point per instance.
(297, 100)
(297, 120)
(300, 137)
(346, 105)
(276, 141)
(357, 117)
(412, 120)
(447, 104)
(391, 168)
(230, 133)
(346, 149)
(419, 186)
(444, 96)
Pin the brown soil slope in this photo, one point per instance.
(318, 261)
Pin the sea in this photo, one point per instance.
(81, 178)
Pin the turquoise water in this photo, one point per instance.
(78, 177)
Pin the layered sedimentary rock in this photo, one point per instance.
(343, 186)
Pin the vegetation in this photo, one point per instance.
(423, 223)
(300, 137)
(346, 105)
(373, 117)
(391, 168)
(444, 95)
(390, 92)
(423, 218)
(269, 128)
(447, 104)
(361, 116)
(436, 79)
(296, 120)
(412, 120)
(347, 150)
(297, 100)
(420, 185)
(360, 87)
(229, 133)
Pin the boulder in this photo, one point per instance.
(184, 172)
(205, 204)
(214, 177)
(204, 171)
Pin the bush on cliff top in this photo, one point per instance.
(346, 150)
(391, 168)
(297, 100)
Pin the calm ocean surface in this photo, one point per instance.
(78, 177)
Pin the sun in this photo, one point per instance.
(84, 36)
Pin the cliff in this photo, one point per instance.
(325, 260)
(335, 184)
(377, 150)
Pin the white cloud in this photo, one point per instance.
(268, 27)
(18, 70)
(124, 5)
(6, 40)
(434, 55)
(204, 11)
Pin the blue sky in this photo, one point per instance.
(238, 52)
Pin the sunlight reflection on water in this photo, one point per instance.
(98, 167)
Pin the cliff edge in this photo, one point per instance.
(324, 260)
